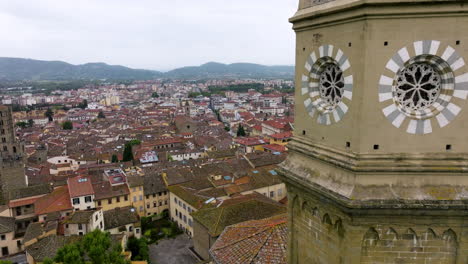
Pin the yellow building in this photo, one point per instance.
(280, 138)
(109, 197)
(156, 194)
(135, 186)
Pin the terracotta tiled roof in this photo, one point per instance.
(250, 141)
(236, 210)
(23, 202)
(275, 124)
(275, 147)
(104, 190)
(58, 200)
(80, 186)
(283, 135)
(257, 241)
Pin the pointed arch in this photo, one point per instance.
(410, 234)
(391, 234)
(429, 234)
(450, 237)
(338, 226)
(326, 219)
(370, 238)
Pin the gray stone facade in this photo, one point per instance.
(373, 178)
(12, 174)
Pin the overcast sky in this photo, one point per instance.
(149, 34)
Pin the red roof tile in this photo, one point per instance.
(275, 147)
(80, 186)
(257, 241)
(18, 203)
(283, 135)
(58, 200)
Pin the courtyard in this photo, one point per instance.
(172, 250)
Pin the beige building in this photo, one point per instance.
(156, 194)
(135, 185)
(9, 243)
(122, 221)
(211, 190)
(377, 166)
(82, 222)
(180, 211)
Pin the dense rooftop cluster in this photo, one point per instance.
(145, 150)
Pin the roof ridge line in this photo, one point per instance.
(53, 203)
(219, 218)
(262, 245)
(249, 236)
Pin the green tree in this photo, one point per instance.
(94, 244)
(5, 262)
(97, 246)
(128, 153)
(135, 142)
(67, 125)
(22, 125)
(139, 248)
(115, 159)
(70, 253)
(193, 94)
(241, 131)
(30, 123)
(227, 128)
(47, 261)
(49, 114)
(155, 95)
(101, 115)
(284, 100)
(83, 104)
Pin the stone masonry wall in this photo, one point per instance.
(389, 245)
(321, 234)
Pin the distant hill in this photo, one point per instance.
(28, 69)
(240, 70)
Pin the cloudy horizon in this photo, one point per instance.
(149, 34)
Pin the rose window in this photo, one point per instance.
(331, 85)
(417, 87)
(328, 84)
(427, 84)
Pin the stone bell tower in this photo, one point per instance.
(378, 167)
(11, 154)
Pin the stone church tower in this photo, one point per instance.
(11, 154)
(378, 168)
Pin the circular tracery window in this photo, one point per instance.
(328, 84)
(427, 84)
(331, 85)
(417, 87)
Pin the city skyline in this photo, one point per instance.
(153, 35)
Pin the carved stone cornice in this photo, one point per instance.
(340, 11)
(391, 163)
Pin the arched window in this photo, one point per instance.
(14, 149)
(5, 148)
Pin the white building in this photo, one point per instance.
(81, 193)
